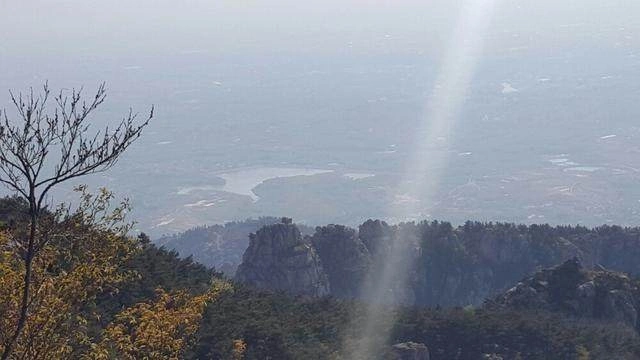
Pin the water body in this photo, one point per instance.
(243, 181)
(584, 169)
(358, 176)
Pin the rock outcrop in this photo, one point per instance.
(441, 265)
(409, 351)
(219, 246)
(278, 258)
(376, 235)
(345, 259)
(570, 289)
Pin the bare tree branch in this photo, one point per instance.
(27, 147)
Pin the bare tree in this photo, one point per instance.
(42, 148)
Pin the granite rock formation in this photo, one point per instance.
(278, 258)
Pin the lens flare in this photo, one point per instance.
(423, 172)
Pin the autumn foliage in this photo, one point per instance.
(88, 259)
(161, 329)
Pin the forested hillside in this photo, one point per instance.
(146, 301)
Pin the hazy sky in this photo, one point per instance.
(311, 83)
(73, 42)
(113, 27)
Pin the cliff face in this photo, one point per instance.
(570, 289)
(345, 259)
(447, 266)
(279, 259)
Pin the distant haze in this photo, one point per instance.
(549, 130)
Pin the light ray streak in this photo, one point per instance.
(423, 172)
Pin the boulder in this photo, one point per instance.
(410, 351)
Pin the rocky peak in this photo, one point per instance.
(345, 258)
(278, 258)
(570, 289)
